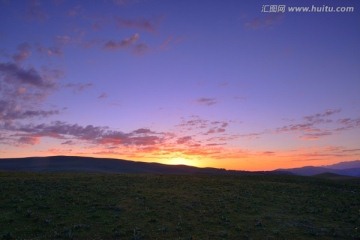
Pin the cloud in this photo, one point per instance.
(183, 140)
(63, 39)
(194, 123)
(252, 136)
(312, 127)
(103, 95)
(140, 49)
(60, 130)
(201, 130)
(141, 139)
(170, 41)
(13, 72)
(348, 124)
(206, 101)
(29, 140)
(10, 111)
(90, 134)
(216, 130)
(68, 142)
(22, 90)
(74, 11)
(316, 135)
(35, 11)
(142, 131)
(309, 129)
(114, 45)
(320, 117)
(352, 150)
(295, 127)
(140, 24)
(23, 52)
(50, 51)
(267, 21)
(78, 87)
(121, 2)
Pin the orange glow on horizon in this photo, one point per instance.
(226, 158)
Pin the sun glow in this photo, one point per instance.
(180, 161)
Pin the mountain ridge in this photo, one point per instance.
(101, 165)
(348, 168)
(111, 165)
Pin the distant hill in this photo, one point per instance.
(345, 165)
(100, 165)
(351, 168)
(108, 165)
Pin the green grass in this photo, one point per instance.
(109, 206)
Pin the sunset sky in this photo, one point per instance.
(204, 83)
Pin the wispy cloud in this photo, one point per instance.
(103, 95)
(170, 41)
(50, 51)
(29, 140)
(183, 140)
(74, 11)
(315, 135)
(114, 45)
(206, 101)
(122, 2)
(322, 117)
(309, 128)
(200, 130)
(23, 52)
(79, 87)
(140, 49)
(63, 39)
(267, 21)
(348, 124)
(10, 111)
(35, 11)
(140, 24)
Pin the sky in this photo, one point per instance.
(226, 84)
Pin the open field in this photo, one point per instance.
(110, 206)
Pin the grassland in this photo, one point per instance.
(109, 206)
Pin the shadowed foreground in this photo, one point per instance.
(109, 206)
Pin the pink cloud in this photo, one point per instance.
(114, 45)
(183, 140)
(29, 140)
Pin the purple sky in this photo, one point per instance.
(205, 83)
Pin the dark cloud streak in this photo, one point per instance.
(206, 101)
(30, 76)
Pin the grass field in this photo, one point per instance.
(109, 206)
